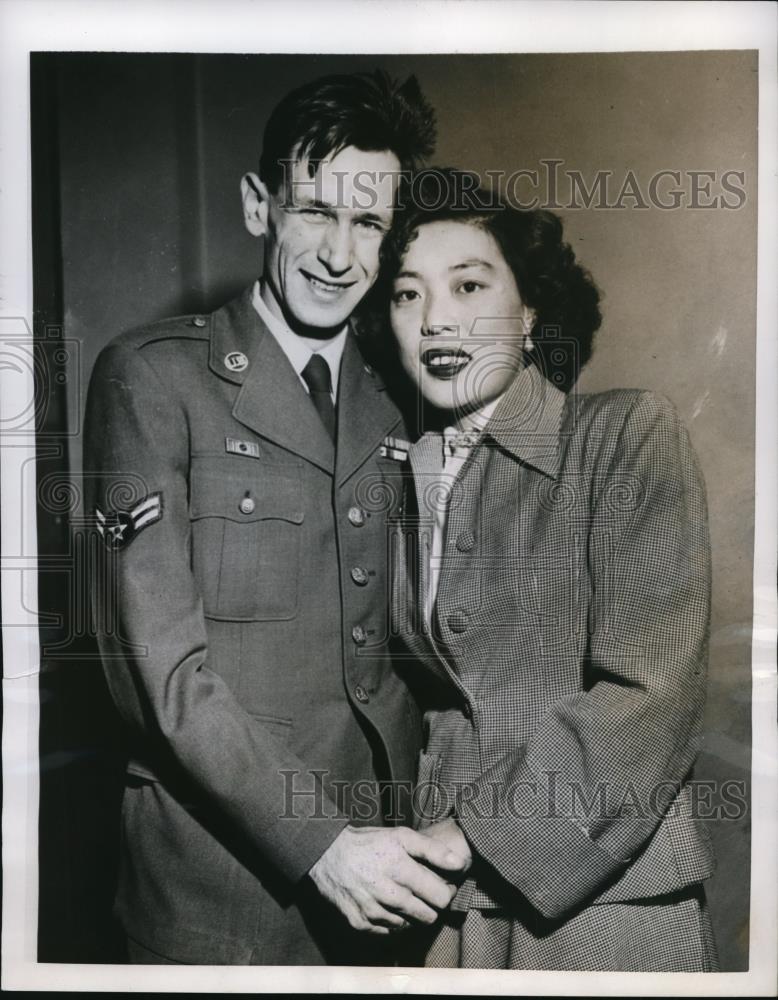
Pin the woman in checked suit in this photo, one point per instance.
(552, 597)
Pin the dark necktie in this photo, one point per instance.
(317, 377)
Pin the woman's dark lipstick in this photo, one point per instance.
(443, 362)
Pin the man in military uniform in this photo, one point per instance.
(240, 467)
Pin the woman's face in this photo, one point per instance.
(457, 316)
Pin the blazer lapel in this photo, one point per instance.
(366, 413)
(271, 401)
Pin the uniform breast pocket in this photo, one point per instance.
(246, 540)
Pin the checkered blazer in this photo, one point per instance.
(563, 672)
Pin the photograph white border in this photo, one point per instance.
(351, 26)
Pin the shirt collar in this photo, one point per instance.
(294, 347)
(460, 438)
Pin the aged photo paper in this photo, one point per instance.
(649, 130)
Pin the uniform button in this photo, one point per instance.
(356, 516)
(359, 635)
(198, 321)
(359, 576)
(457, 621)
(465, 541)
(369, 370)
(361, 695)
(247, 506)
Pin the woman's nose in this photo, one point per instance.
(439, 319)
(336, 248)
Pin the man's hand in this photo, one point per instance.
(448, 833)
(370, 874)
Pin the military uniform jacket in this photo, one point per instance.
(566, 657)
(241, 605)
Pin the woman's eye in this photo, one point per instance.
(405, 295)
(468, 287)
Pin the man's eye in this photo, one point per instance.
(314, 215)
(405, 295)
(371, 226)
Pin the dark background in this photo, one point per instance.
(136, 215)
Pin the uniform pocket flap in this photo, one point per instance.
(280, 729)
(244, 499)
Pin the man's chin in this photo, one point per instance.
(327, 320)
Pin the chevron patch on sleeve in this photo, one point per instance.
(119, 527)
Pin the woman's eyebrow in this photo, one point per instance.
(472, 262)
(407, 274)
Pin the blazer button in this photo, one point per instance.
(465, 541)
(356, 516)
(359, 576)
(198, 321)
(467, 710)
(458, 621)
(359, 635)
(361, 695)
(247, 506)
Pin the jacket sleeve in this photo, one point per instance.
(564, 813)
(151, 630)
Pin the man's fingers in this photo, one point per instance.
(433, 852)
(426, 885)
(386, 918)
(359, 920)
(377, 915)
(404, 903)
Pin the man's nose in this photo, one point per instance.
(337, 247)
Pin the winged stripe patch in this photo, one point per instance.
(118, 527)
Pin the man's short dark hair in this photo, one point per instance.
(370, 111)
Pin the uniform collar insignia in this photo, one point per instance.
(395, 448)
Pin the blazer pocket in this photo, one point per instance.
(246, 540)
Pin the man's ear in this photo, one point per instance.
(256, 204)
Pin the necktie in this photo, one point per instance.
(317, 377)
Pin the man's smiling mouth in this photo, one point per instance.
(327, 287)
(445, 363)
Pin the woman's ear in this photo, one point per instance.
(256, 204)
(528, 322)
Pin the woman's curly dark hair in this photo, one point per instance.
(550, 281)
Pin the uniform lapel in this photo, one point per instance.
(366, 413)
(271, 401)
